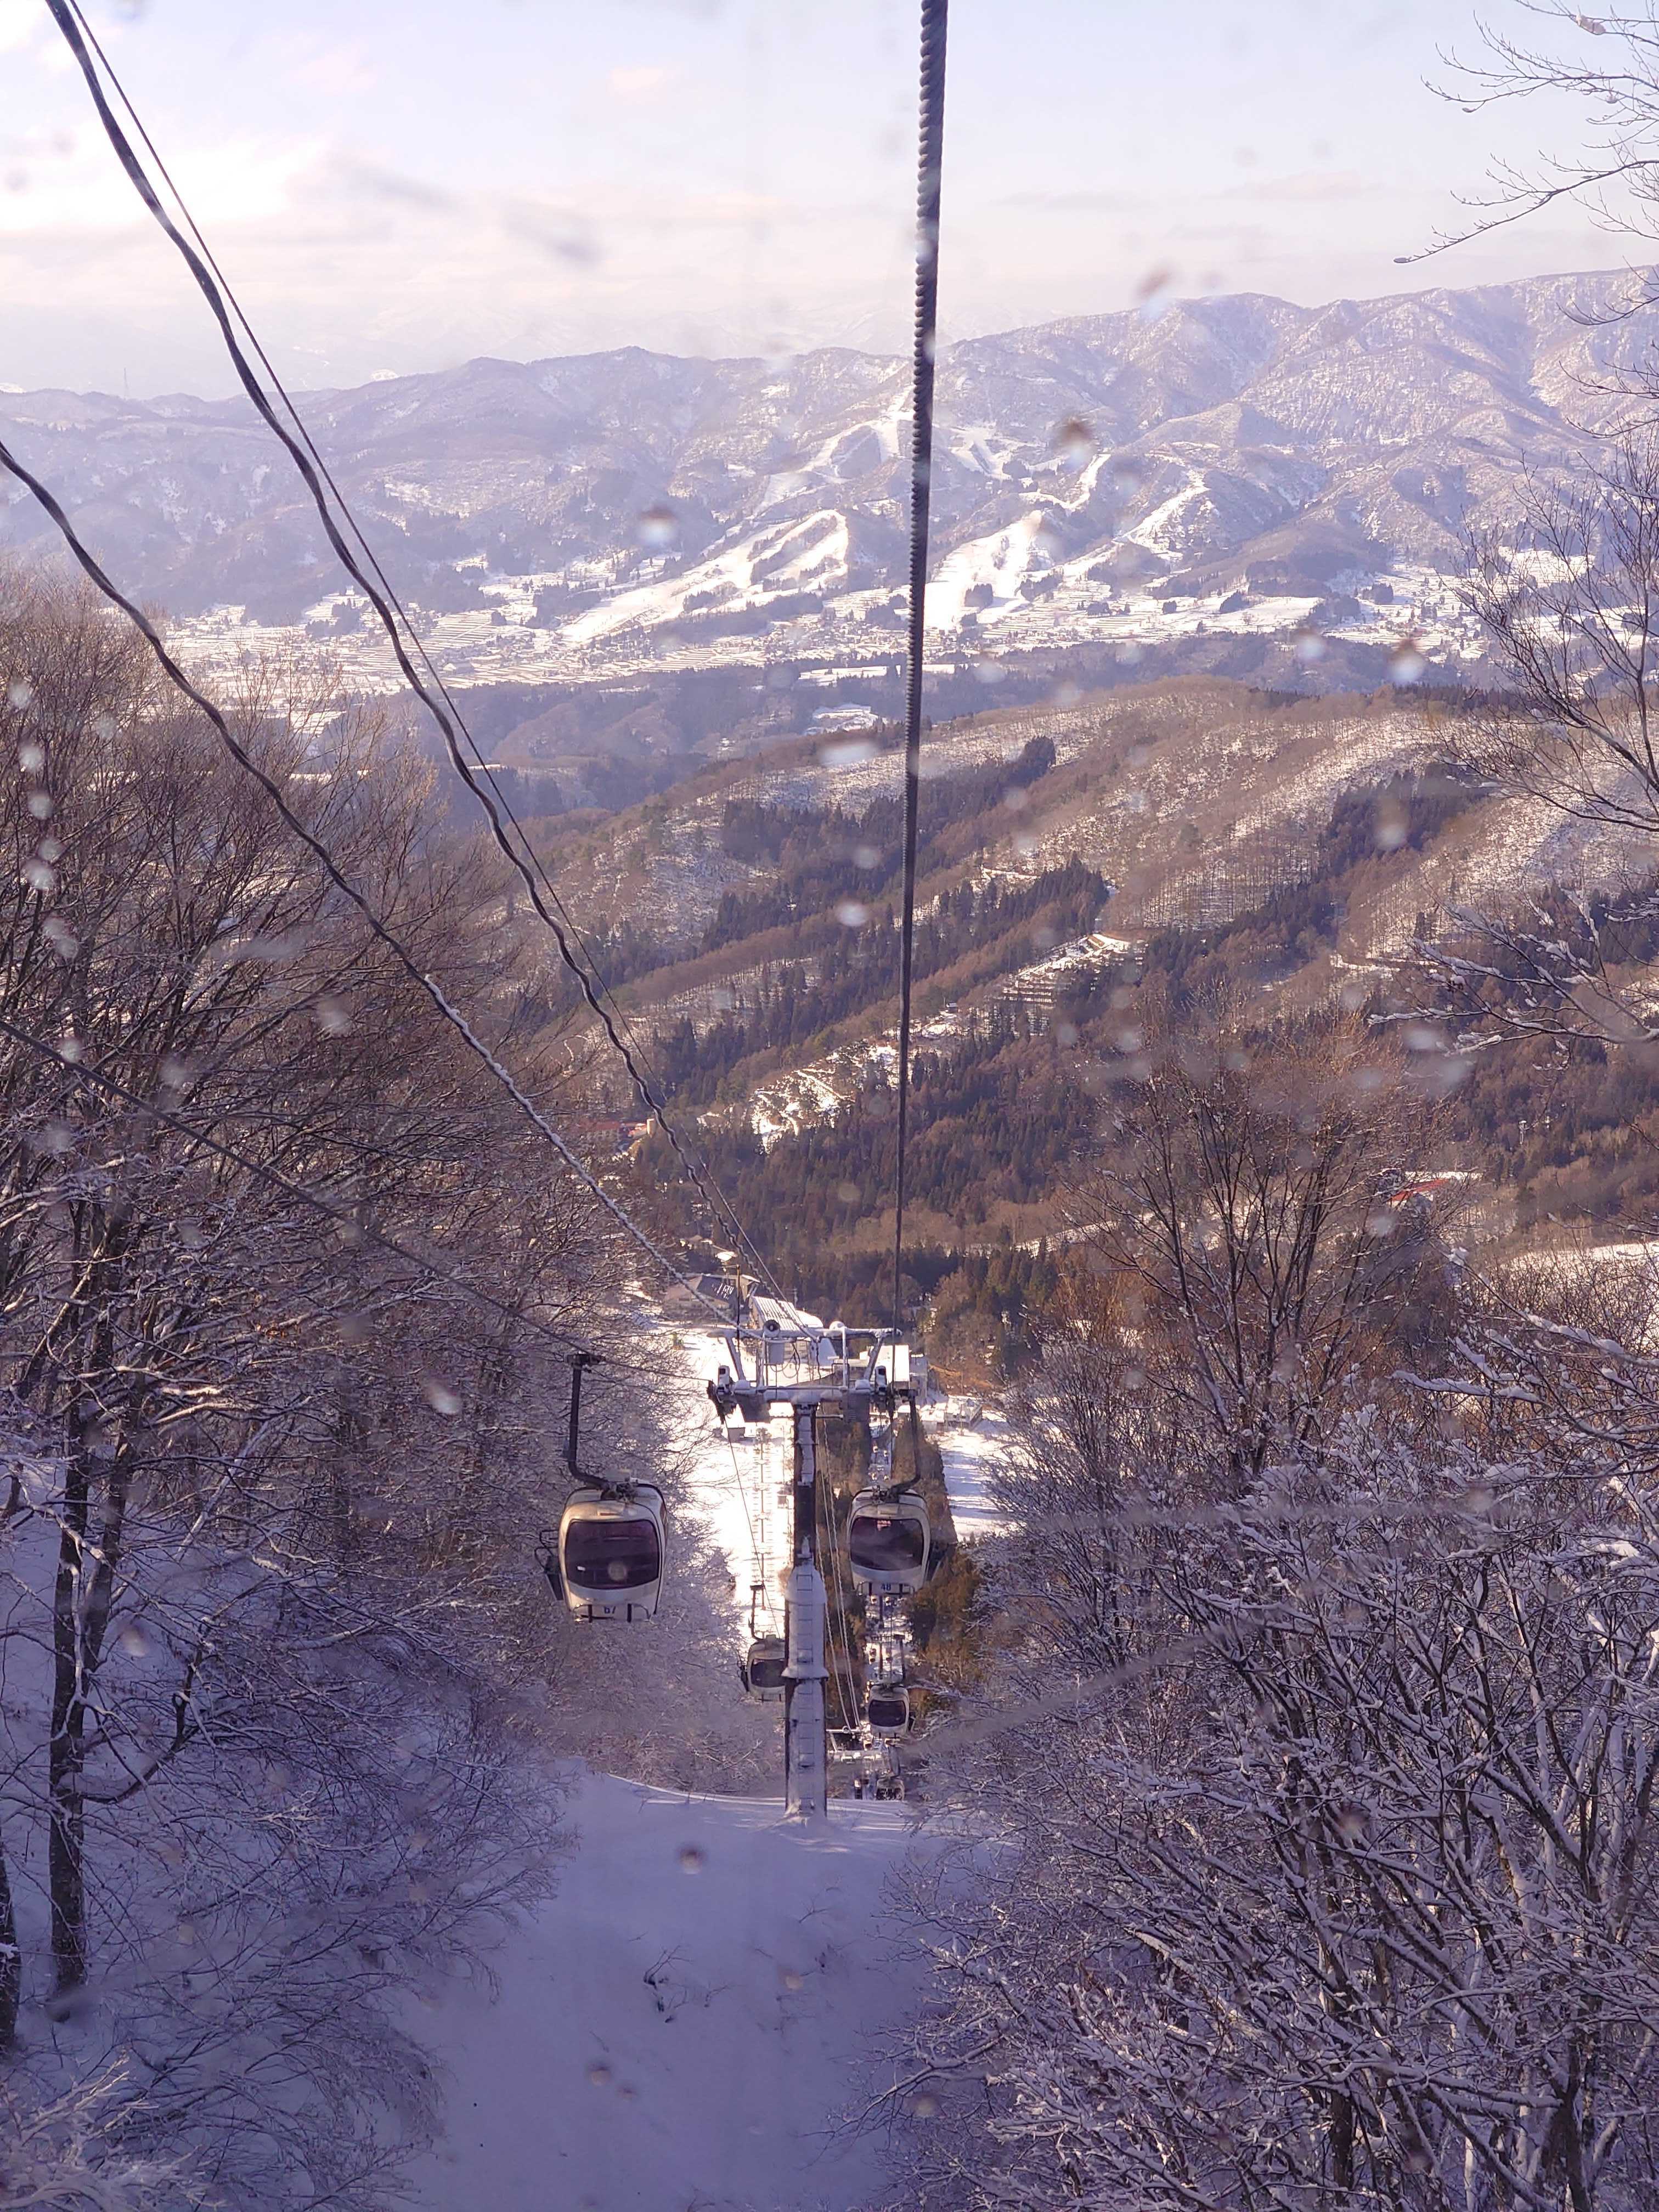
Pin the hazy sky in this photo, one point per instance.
(400, 183)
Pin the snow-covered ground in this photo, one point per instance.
(736, 1482)
(692, 2017)
(637, 630)
(973, 1438)
(686, 2024)
(803, 1097)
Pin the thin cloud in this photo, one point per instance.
(20, 22)
(1076, 203)
(639, 84)
(1316, 184)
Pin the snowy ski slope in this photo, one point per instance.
(685, 2024)
(694, 2016)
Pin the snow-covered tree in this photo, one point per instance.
(286, 1285)
(1323, 1806)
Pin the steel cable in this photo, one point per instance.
(929, 164)
(239, 752)
(388, 607)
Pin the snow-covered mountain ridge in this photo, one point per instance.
(1234, 465)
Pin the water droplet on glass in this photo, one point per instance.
(1406, 662)
(1073, 442)
(925, 2107)
(691, 1860)
(658, 527)
(133, 1640)
(846, 752)
(599, 2075)
(50, 849)
(1309, 647)
(31, 756)
(851, 913)
(40, 805)
(866, 856)
(333, 1017)
(441, 1399)
(790, 1978)
(39, 876)
(19, 693)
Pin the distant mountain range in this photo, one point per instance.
(1231, 468)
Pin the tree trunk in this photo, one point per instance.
(11, 1961)
(1344, 2133)
(65, 1870)
(80, 1617)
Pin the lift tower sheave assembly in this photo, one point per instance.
(786, 1362)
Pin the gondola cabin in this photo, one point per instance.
(762, 1669)
(888, 1542)
(610, 1553)
(888, 1711)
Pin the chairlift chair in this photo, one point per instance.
(610, 1552)
(888, 1711)
(762, 1669)
(888, 1542)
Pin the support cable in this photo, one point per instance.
(432, 990)
(841, 1675)
(754, 1550)
(388, 607)
(930, 162)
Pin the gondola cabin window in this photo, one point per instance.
(886, 1545)
(612, 1555)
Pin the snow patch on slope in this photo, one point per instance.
(1003, 560)
(816, 549)
(687, 2020)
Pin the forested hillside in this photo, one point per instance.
(1088, 875)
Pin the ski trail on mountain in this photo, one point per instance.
(685, 2022)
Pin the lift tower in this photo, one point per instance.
(787, 1362)
(805, 1736)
